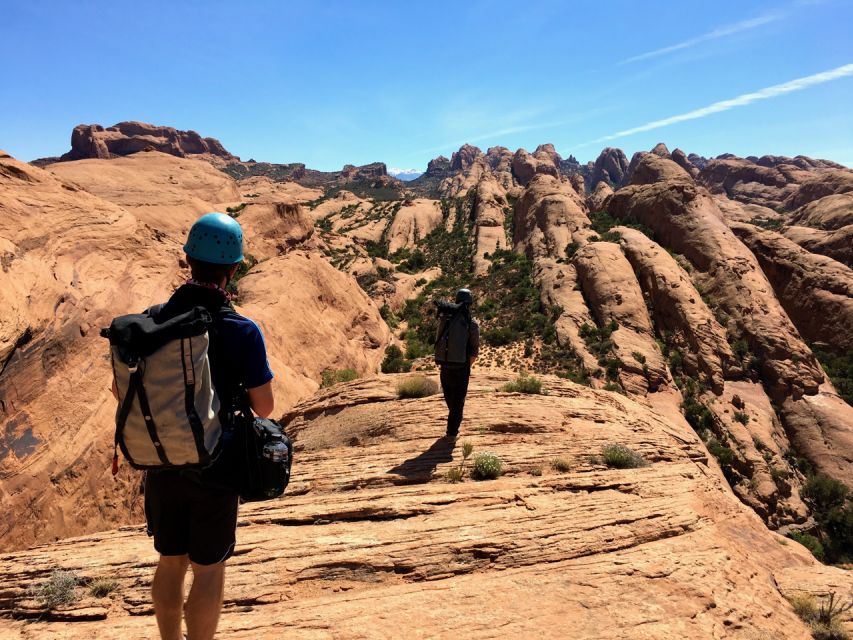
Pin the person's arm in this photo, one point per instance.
(261, 400)
(257, 375)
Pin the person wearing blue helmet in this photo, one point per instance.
(192, 515)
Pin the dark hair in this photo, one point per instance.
(208, 272)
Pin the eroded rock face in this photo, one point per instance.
(463, 159)
(828, 213)
(686, 219)
(546, 216)
(412, 223)
(71, 261)
(370, 524)
(166, 192)
(92, 239)
(824, 184)
(126, 138)
(614, 295)
(816, 292)
(597, 199)
(683, 161)
(746, 181)
(314, 318)
(525, 166)
(490, 207)
(836, 244)
(611, 166)
(677, 307)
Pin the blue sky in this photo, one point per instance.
(329, 83)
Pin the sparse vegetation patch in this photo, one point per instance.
(416, 387)
(331, 377)
(618, 456)
(58, 589)
(524, 384)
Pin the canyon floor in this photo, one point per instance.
(371, 539)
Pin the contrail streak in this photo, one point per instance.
(740, 101)
(719, 32)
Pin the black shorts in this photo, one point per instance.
(187, 517)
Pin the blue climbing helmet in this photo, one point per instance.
(215, 238)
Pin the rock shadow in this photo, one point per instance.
(420, 468)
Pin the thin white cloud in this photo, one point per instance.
(740, 101)
(719, 32)
(396, 171)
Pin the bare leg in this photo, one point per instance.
(205, 601)
(167, 593)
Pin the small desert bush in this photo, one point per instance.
(487, 466)
(618, 456)
(60, 588)
(536, 471)
(331, 377)
(560, 464)
(824, 617)
(416, 387)
(454, 474)
(102, 587)
(524, 384)
(742, 417)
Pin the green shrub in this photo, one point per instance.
(487, 466)
(619, 456)
(740, 348)
(524, 384)
(698, 415)
(607, 236)
(235, 212)
(639, 357)
(742, 417)
(809, 542)
(724, 455)
(416, 387)
(331, 377)
(825, 493)
(560, 464)
(325, 224)
(614, 386)
(60, 588)
(394, 361)
(389, 316)
(536, 470)
(838, 364)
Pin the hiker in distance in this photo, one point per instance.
(191, 392)
(457, 346)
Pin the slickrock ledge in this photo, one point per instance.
(372, 540)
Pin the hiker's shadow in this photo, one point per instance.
(420, 468)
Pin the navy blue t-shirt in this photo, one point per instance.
(243, 354)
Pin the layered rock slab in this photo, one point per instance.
(676, 306)
(685, 218)
(374, 542)
(816, 291)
